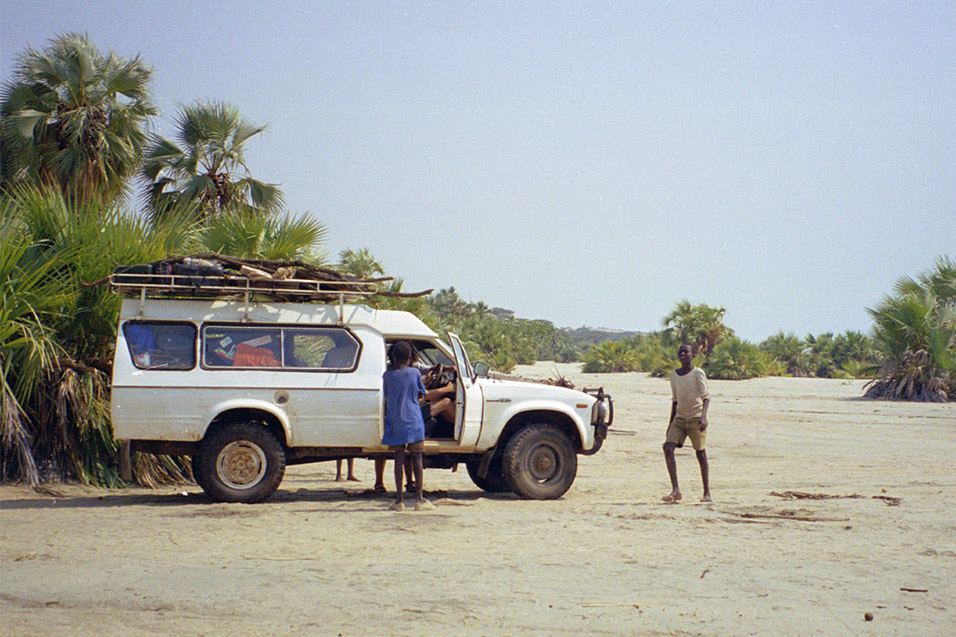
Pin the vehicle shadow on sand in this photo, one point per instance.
(190, 496)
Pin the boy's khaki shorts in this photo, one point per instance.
(682, 428)
(411, 447)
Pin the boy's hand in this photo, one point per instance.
(703, 423)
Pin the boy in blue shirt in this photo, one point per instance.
(404, 424)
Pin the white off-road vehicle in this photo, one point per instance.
(245, 388)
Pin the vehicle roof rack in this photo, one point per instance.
(218, 276)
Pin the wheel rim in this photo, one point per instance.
(241, 464)
(544, 463)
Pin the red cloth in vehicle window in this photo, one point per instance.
(248, 356)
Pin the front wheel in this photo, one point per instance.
(240, 463)
(540, 463)
(494, 481)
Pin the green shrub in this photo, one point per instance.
(737, 360)
(610, 356)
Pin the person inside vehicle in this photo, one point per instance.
(438, 408)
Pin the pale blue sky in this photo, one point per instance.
(588, 163)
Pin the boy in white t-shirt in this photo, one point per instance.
(688, 420)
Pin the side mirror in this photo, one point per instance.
(481, 370)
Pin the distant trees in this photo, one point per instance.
(360, 263)
(500, 342)
(726, 357)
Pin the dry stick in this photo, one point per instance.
(799, 518)
(914, 590)
(610, 605)
(279, 559)
(802, 495)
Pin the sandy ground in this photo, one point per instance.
(608, 558)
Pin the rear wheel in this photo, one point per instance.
(240, 463)
(494, 481)
(540, 463)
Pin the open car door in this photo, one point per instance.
(468, 399)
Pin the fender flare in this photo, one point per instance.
(251, 405)
(546, 405)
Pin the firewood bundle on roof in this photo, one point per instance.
(217, 275)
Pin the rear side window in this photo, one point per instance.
(157, 345)
(318, 348)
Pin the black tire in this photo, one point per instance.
(494, 481)
(540, 463)
(197, 475)
(240, 463)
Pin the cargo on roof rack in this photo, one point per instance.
(211, 275)
(192, 285)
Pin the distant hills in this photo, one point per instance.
(596, 335)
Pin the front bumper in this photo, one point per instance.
(601, 418)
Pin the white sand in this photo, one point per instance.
(608, 558)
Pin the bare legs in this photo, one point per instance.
(380, 472)
(671, 461)
(351, 471)
(704, 474)
(402, 459)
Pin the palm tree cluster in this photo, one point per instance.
(74, 139)
(916, 334)
(727, 357)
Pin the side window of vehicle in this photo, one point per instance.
(279, 347)
(154, 345)
(325, 349)
(242, 347)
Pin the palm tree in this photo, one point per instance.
(700, 325)
(917, 335)
(57, 335)
(360, 263)
(35, 293)
(207, 165)
(267, 236)
(941, 282)
(74, 118)
(446, 303)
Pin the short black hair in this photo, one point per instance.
(401, 354)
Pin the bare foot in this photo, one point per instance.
(339, 479)
(424, 505)
(706, 498)
(673, 497)
(353, 479)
